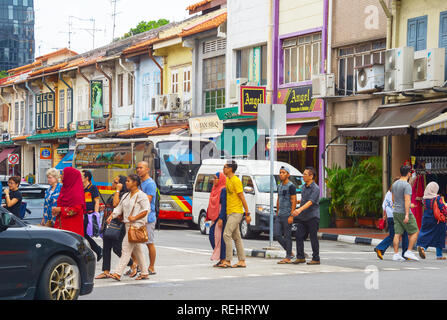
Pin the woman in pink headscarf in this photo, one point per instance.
(217, 214)
(433, 232)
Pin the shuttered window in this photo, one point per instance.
(214, 45)
(417, 33)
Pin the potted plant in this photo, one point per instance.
(364, 192)
(336, 181)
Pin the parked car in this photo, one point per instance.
(43, 263)
(255, 177)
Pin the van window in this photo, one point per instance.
(247, 182)
(204, 183)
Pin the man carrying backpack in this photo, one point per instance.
(149, 187)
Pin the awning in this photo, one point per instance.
(52, 136)
(396, 120)
(296, 137)
(433, 126)
(66, 161)
(4, 154)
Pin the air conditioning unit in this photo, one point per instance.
(235, 89)
(399, 69)
(169, 103)
(429, 68)
(370, 78)
(323, 85)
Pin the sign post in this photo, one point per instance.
(272, 119)
(13, 160)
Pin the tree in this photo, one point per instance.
(144, 26)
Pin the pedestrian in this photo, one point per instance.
(307, 217)
(119, 184)
(149, 187)
(70, 203)
(404, 219)
(432, 232)
(134, 207)
(236, 204)
(217, 214)
(388, 217)
(286, 204)
(13, 197)
(92, 208)
(51, 196)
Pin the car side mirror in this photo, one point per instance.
(5, 221)
(157, 165)
(249, 190)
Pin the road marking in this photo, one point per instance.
(194, 251)
(229, 277)
(253, 275)
(390, 269)
(202, 278)
(432, 268)
(278, 274)
(411, 268)
(175, 280)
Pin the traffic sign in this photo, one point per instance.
(13, 159)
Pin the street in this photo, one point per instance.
(184, 272)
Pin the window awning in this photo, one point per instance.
(436, 125)
(296, 137)
(52, 136)
(396, 120)
(4, 154)
(66, 161)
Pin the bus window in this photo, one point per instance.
(104, 156)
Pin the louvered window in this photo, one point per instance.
(214, 45)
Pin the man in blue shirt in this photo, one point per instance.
(149, 187)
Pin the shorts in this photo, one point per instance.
(150, 232)
(400, 227)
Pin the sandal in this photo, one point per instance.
(115, 276)
(142, 277)
(133, 272)
(151, 273)
(103, 276)
(224, 265)
(238, 266)
(285, 261)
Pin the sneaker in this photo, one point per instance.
(410, 256)
(398, 257)
(379, 253)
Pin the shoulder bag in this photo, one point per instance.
(137, 234)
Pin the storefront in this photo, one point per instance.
(303, 146)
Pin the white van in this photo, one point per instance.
(255, 177)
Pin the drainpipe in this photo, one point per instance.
(71, 101)
(10, 111)
(33, 129)
(329, 38)
(110, 96)
(160, 67)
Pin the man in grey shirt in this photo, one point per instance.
(286, 204)
(404, 219)
(308, 218)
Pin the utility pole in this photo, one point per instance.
(70, 32)
(92, 30)
(114, 14)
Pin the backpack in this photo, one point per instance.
(439, 216)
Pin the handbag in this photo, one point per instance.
(439, 216)
(137, 234)
(112, 231)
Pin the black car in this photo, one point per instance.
(43, 263)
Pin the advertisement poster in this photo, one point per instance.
(97, 94)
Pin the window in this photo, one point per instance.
(302, 58)
(252, 64)
(30, 113)
(204, 183)
(61, 109)
(214, 83)
(174, 81)
(45, 111)
(187, 80)
(443, 36)
(130, 85)
(108, 156)
(120, 90)
(69, 104)
(417, 33)
(22, 117)
(247, 182)
(16, 118)
(357, 56)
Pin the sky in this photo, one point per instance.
(52, 20)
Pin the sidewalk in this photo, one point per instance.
(362, 236)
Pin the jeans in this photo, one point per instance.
(95, 247)
(308, 227)
(284, 234)
(388, 241)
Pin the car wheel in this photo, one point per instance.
(246, 232)
(202, 223)
(60, 280)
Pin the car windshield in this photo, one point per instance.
(263, 183)
(179, 163)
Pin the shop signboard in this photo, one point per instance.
(85, 126)
(368, 148)
(97, 93)
(299, 100)
(230, 114)
(251, 97)
(6, 137)
(205, 125)
(45, 153)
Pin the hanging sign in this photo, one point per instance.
(251, 97)
(96, 98)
